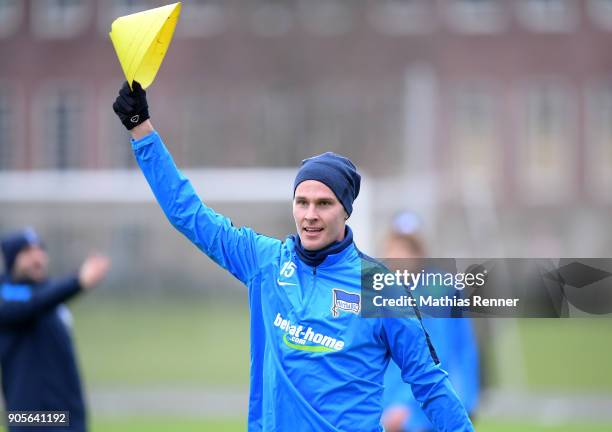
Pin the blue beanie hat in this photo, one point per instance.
(15, 242)
(336, 172)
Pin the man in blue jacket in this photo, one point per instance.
(453, 337)
(39, 368)
(316, 365)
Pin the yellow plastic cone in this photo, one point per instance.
(141, 41)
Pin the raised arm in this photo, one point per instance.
(430, 385)
(20, 303)
(241, 251)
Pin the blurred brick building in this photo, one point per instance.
(506, 99)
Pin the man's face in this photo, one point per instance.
(32, 263)
(319, 216)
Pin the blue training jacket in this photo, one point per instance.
(455, 344)
(316, 365)
(456, 347)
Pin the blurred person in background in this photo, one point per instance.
(453, 339)
(37, 356)
(316, 364)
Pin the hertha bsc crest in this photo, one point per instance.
(345, 301)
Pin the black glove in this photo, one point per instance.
(131, 105)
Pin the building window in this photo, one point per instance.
(7, 143)
(110, 10)
(202, 18)
(62, 132)
(402, 17)
(114, 140)
(272, 18)
(207, 122)
(477, 16)
(548, 16)
(126, 7)
(278, 115)
(352, 117)
(10, 16)
(333, 113)
(546, 153)
(600, 12)
(476, 150)
(420, 114)
(598, 158)
(119, 154)
(261, 123)
(325, 17)
(219, 116)
(60, 18)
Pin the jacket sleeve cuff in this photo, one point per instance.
(70, 286)
(144, 141)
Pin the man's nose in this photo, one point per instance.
(311, 212)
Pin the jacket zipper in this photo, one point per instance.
(314, 280)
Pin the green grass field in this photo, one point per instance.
(199, 344)
(164, 425)
(143, 344)
(551, 355)
(167, 424)
(567, 355)
(206, 345)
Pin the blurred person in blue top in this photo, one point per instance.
(453, 339)
(37, 356)
(316, 364)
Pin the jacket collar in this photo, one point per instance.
(329, 254)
